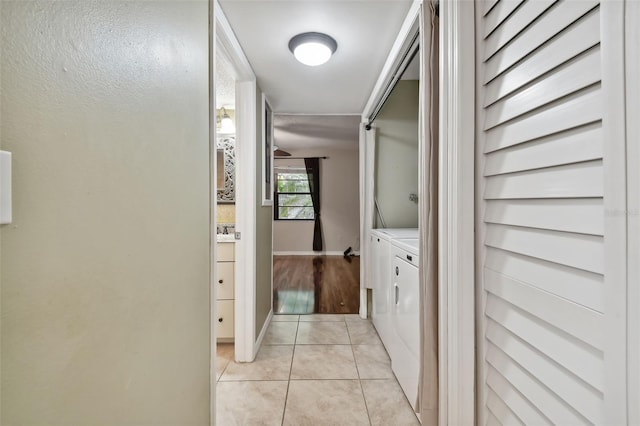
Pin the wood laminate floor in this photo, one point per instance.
(316, 284)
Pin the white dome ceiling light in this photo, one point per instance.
(312, 48)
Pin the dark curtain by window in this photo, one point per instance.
(313, 175)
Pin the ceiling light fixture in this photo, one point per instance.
(312, 48)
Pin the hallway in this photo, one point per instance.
(312, 370)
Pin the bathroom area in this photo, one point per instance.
(225, 204)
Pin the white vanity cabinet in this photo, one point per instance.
(225, 264)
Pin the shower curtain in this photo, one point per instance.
(427, 404)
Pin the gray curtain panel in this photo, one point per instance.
(427, 404)
(313, 175)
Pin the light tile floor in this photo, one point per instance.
(312, 370)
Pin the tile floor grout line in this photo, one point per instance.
(359, 377)
(293, 354)
(355, 361)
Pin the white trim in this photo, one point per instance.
(266, 201)
(322, 114)
(481, 295)
(263, 332)
(245, 249)
(407, 29)
(364, 242)
(245, 271)
(213, 247)
(230, 45)
(615, 204)
(366, 157)
(311, 253)
(456, 320)
(632, 62)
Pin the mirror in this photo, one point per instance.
(226, 164)
(220, 170)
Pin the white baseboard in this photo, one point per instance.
(312, 253)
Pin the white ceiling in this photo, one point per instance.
(364, 29)
(330, 132)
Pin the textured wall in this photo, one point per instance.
(396, 173)
(264, 239)
(339, 199)
(105, 274)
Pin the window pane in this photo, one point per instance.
(293, 198)
(292, 176)
(295, 212)
(296, 200)
(293, 186)
(292, 182)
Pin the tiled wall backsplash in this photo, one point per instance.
(226, 218)
(226, 228)
(227, 213)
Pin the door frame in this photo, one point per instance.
(456, 215)
(367, 147)
(632, 64)
(226, 43)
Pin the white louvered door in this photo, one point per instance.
(551, 339)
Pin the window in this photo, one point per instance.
(293, 197)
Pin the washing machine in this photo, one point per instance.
(381, 279)
(405, 316)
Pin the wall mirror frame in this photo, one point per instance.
(267, 152)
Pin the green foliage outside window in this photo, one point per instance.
(293, 197)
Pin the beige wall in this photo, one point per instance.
(264, 263)
(396, 173)
(339, 200)
(105, 269)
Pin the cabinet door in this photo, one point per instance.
(225, 280)
(226, 252)
(551, 244)
(225, 319)
(381, 276)
(381, 289)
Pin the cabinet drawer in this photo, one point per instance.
(225, 280)
(225, 252)
(225, 319)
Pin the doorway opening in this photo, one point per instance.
(316, 241)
